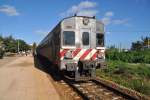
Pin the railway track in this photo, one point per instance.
(93, 90)
(98, 89)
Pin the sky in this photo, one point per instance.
(125, 21)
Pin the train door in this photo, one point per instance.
(86, 45)
(85, 38)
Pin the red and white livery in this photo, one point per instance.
(76, 46)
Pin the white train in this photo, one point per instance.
(76, 46)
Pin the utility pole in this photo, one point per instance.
(120, 47)
(18, 46)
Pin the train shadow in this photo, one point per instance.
(43, 64)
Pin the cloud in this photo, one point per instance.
(108, 32)
(109, 14)
(88, 12)
(9, 10)
(120, 21)
(88, 8)
(84, 8)
(107, 19)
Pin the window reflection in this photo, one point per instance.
(85, 38)
(99, 39)
(68, 38)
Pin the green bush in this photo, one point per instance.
(143, 71)
(134, 76)
(142, 56)
(140, 86)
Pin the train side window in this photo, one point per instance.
(68, 38)
(85, 38)
(99, 39)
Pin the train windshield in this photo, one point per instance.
(68, 38)
(99, 39)
(85, 38)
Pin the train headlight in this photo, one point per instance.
(68, 55)
(100, 55)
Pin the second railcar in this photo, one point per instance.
(76, 46)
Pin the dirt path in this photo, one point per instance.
(20, 80)
(6, 60)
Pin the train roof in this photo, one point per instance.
(82, 17)
(79, 16)
(59, 23)
(93, 17)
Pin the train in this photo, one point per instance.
(75, 47)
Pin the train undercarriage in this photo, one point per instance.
(83, 70)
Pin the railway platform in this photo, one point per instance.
(20, 80)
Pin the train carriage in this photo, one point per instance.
(76, 46)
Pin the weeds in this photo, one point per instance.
(134, 76)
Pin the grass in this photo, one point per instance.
(134, 76)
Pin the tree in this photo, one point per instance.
(1, 38)
(10, 44)
(141, 44)
(137, 45)
(146, 42)
(23, 45)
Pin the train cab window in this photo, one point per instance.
(85, 38)
(68, 38)
(99, 39)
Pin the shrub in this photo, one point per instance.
(130, 57)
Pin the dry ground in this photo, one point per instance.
(20, 80)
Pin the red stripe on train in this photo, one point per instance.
(85, 54)
(76, 52)
(94, 56)
(63, 52)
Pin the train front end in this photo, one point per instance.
(82, 47)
